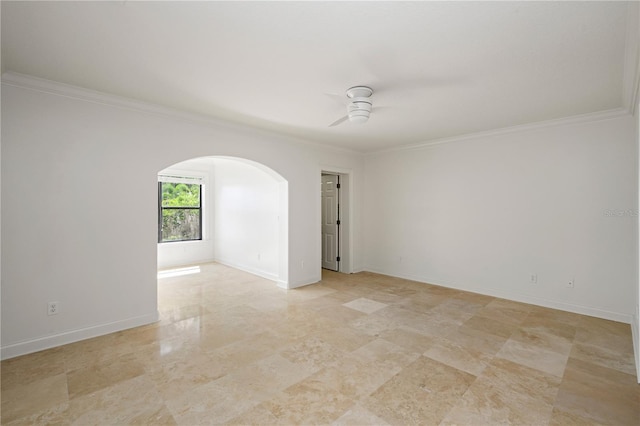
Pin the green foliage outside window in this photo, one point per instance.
(180, 211)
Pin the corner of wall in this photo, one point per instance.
(52, 341)
(636, 340)
(303, 282)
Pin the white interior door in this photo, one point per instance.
(330, 221)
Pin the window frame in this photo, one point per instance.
(200, 209)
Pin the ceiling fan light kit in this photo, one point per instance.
(359, 111)
(359, 107)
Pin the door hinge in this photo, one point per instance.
(338, 186)
(338, 258)
(338, 222)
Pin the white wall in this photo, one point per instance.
(246, 217)
(68, 155)
(635, 324)
(483, 214)
(190, 252)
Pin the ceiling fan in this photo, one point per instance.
(359, 107)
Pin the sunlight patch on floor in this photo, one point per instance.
(178, 272)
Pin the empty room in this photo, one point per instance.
(349, 213)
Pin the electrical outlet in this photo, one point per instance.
(533, 278)
(571, 283)
(52, 308)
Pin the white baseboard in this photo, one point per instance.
(171, 265)
(635, 323)
(533, 300)
(59, 339)
(250, 269)
(311, 279)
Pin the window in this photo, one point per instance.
(179, 208)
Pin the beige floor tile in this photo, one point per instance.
(54, 416)
(340, 314)
(357, 415)
(478, 340)
(560, 417)
(599, 394)
(233, 348)
(506, 393)
(422, 302)
(133, 401)
(422, 393)
(169, 316)
(345, 338)
(456, 310)
(483, 323)
(534, 357)
(387, 298)
(241, 353)
(97, 351)
(308, 292)
(506, 310)
(355, 378)
(178, 377)
(414, 342)
(462, 357)
(310, 401)
(432, 325)
(314, 353)
(543, 315)
(268, 303)
(38, 396)
(258, 415)
(475, 298)
(385, 353)
(550, 325)
(330, 300)
(33, 367)
(266, 376)
(365, 305)
(373, 325)
(602, 326)
(610, 357)
(163, 351)
(86, 380)
(538, 337)
(400, 288)
(212, 403)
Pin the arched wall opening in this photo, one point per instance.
(102, 267)
(244, 218)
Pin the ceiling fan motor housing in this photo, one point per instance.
(359, 92)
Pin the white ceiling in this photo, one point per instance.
(440, 69)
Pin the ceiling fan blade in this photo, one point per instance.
(341, 99)
(395, 74)
(379, 108)
(339, 121)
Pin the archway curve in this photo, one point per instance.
(249, 172)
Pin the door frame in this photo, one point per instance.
(345, 229)
(338, 225)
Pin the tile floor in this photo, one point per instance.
(358, 349)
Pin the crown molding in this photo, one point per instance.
(29, 82)
(42, 85)
(631, 69)
(576, 119)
